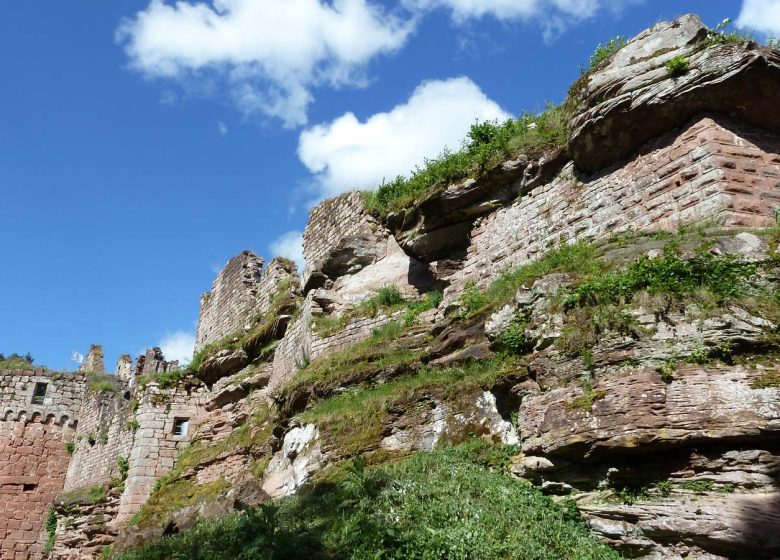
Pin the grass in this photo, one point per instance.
(101, 382)
(723, 277)
(17, 362)
(487, 145)
(767, 380)
(387, 299)
(353, 422)
(445, 505)
(575, 258)
(385, 352)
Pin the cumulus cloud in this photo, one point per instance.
(290, 245)
(348, 154)
(270, 53)
(178, 345)
(761, 15)
(554, 16)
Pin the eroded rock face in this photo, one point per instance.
(642, 411)
(292, 466)
(221, 364)
(634, 98)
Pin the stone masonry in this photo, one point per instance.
(35, 427)
(241, 291)
(711, 170)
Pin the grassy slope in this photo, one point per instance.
(450, 504)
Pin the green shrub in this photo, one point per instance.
(513, 339)
(17, 361)
(606, 50)
(677, 66)
(132, 425)
(70, 448)
(445, 505)
(722, 277)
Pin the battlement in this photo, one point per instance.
(41, 396)
(241, 291)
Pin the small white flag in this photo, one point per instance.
(76, 357)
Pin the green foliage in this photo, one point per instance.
(722, 277)
(722, 35)
(513, 339)
(415, 308)
(488, 144)
(103, 436)
(444, 505)
(389, 295)
(697, 486)
(70, 448)
(606, 50)
(472, 300)
(677, 66)
(123, 464)
(97, 494)
(585, 401)
(353, 421)
(573, 258)
(667, 370)
(132, 425)
(17, 361)
(100, 382)
(51, 530)
(770, 378)
(91, 439)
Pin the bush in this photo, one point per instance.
(677, 66)
(451, 504)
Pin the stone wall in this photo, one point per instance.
(156, 446)
(709, 170)
(103, 436)
(239, 293)
(329, 223)
(33, 454)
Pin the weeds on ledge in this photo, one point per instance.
(488, 144)
(677, 66)
(604, 51)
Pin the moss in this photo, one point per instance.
(769, 379)
(389, 351)
(353, 422)
(585, 401)
(175, 496)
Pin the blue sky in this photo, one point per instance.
(143, 144)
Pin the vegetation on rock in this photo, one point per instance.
(450, 504)
(488, 144)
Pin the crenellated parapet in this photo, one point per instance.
(41, 396)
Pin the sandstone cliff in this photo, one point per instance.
(587, 320)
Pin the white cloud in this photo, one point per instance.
(178, 345)
(554, 16)
(271, 53)
(761, 15)
(222, 127)
(347, 154)
(290, 245)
